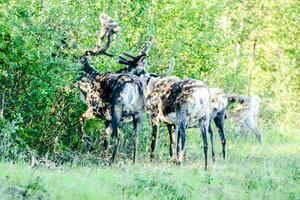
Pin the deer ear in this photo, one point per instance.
(171, 66)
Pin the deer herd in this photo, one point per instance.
(178, 103)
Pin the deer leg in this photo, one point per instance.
(244, 129)
(137, 129)
(258, 134)
(106, 137)
(211, 134)
(173, 144)
(116, 118)
(155, 128)
(219, 121)
(178, 144)
(251, 125)
(182, 132)
(84, 138)
(204, 131)
(171, 139)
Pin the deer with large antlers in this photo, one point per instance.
(181, 104)
(112, 97)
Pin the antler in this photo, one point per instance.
(171, 66)
(108, 28)
(141, 58)
(146, 47)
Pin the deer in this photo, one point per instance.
(244, 110)
(241, 109)
(219, 104)
(113, 97)
(156, 84)
(180, 104)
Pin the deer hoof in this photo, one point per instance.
(177, 161)
(88, 147)
(151, 157)
(88, 144)
(260, 139)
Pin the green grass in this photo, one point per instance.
(252, 171)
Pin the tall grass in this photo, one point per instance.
(252, 171)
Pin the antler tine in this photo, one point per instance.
(146, 48)
(124, 62)
(122, 58)
(108, 28)
(130, 55)
(171, 66)
(141, 59)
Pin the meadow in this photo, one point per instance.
(251, 171)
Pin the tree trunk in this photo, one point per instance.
(3, 96)
(252, 59)
(238, 48)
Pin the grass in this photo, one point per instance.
(251, 171)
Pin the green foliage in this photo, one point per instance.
(12, 144)
(32, 190)
(244, 47)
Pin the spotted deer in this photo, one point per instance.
(112, 97)
(180, 104)
(243, 110)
